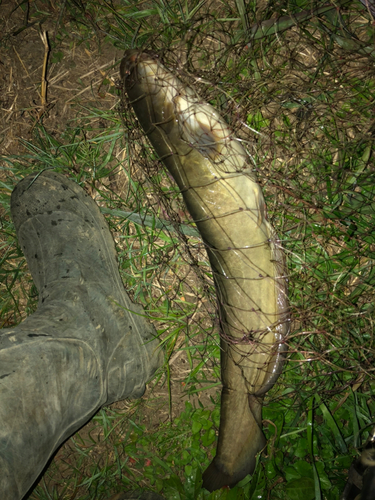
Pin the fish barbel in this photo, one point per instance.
(213, 173)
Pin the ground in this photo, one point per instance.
(301, 99)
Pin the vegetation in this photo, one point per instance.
(301, 96)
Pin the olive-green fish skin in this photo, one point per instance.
(236, 455)
(213, 173)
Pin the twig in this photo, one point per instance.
(44, 84)
(44, 38)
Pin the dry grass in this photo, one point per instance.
(302, 100)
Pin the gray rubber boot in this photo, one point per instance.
(87, 345)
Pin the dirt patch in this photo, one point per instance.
(78, 75)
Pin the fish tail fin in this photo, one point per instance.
(240, 440)
(214, 478)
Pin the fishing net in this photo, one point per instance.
(294, 81)
(301, 103)
(299, 94)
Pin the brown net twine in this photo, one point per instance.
(181, 277)
(300, 98)
(214, 174)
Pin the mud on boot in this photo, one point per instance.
(87, 344)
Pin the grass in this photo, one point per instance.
(302, 100)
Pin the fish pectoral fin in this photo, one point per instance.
(240, 440)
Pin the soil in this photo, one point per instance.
(76, 81)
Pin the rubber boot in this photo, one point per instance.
(86, 346)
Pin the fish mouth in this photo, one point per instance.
(132, 57)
